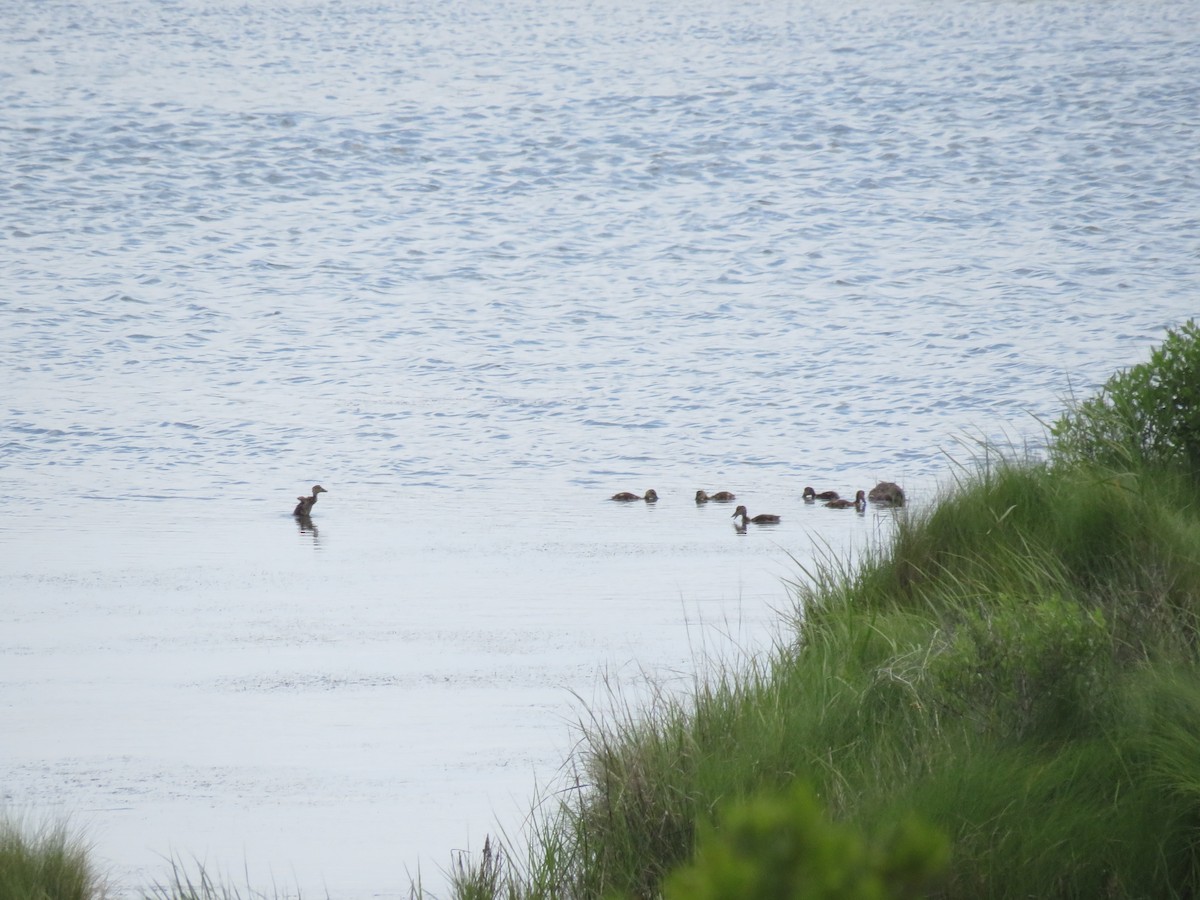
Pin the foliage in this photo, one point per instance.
(480, 879)
(1149, 413)
(45, 863)
(778, 846)
(1019, 667)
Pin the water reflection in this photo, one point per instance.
(307, 526)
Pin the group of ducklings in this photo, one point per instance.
(886, 492)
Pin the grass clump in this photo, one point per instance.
(45, 863)
(51, 862)
(1025, 666)
(196, 881)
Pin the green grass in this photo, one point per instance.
(47, 862)
(52, 862)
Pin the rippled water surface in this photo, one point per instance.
(474, 267)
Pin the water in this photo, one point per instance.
(474, 267)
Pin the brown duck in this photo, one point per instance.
(760, 519)
(719, 496)
(810, 494)
(859, 502)
(304, 507)
(625, 496)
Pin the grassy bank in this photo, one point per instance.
(1003, 700)
(1016, 670)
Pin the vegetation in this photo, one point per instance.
(198, 883)
(1004, 701)
(45, 863)
(1147, 415)
(780, 845)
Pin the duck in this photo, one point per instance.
(810, 494)
(887, 492)
(859, 502)
(760, 519)
(625, 496)
(719, 496)
(304, 507)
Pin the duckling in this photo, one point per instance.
(626, 496)
(810, 495)
(760, 519)
(859, 502)
(719, 496)
(304, 507)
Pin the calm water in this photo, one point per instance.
(474, 267)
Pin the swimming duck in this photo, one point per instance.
(626, 496)
(887, 492)
(810, 494)
(304, 507)
(859, 502)
(760, 519)
(719, 496)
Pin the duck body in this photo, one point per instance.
(760, 519)
(304, 507)
(859, 502)
(719, 496)
(810, 494)
(626, 497)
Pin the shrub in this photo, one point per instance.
(1022, 667)
(1149, 413)
(781, 847)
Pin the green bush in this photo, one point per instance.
(781, 847)
(1147, 414)
(1022, 668)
